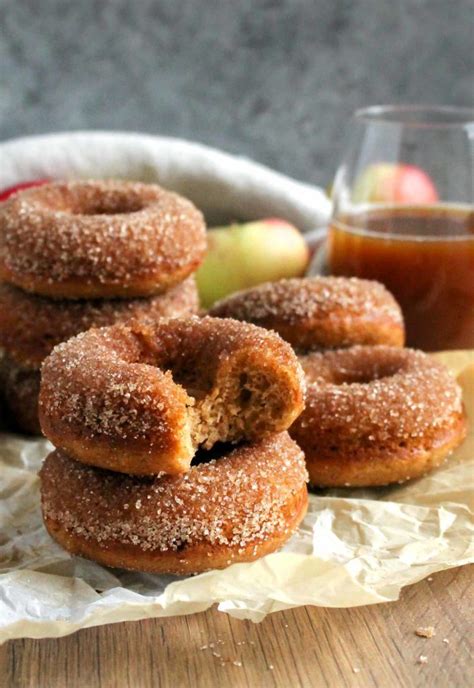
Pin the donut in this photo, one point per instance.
(237, 506)
(141, 398)
(320, 312)
(376, 415)
(19, 390)
(99, 239)
(30, 326)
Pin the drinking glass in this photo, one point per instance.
(404, 215)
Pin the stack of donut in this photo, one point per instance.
(171, 447)
(170, 430)
(376, 413)
(87, 254)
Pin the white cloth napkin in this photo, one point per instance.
(224, 187)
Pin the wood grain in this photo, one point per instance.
(308, 647)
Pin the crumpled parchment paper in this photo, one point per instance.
(354, 547)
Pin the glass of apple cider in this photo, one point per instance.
(404, 215)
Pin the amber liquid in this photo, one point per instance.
(425, 257)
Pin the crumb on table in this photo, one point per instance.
(425, 632)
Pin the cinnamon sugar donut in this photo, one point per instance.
(320, 312)
(19, 391)
(237, 507)
(99, 239)
(377, 415)
(141, 399)
(30, 326)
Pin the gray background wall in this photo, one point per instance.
(274, 80)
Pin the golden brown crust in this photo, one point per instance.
(377, 415)
(237, 507)
(31, 326)
(380, 468)
(196, 559)
(99, 239)
(320, 312)
(19, 391)
(140, 398)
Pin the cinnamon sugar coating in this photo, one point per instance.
(19, 391)
(142, 398)
(377, 415)
(99, 239)
(30, 326)
(320, 312)
(237, 507)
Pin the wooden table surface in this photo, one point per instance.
(308, 647)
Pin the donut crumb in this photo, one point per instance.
(425, 632)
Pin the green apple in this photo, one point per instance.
(243, 255)
(394, 183)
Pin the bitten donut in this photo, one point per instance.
(238, 506)
(19, 391)
(141, 399)
(30, 326)
(99, 239)
(377, 415)
(320, 312)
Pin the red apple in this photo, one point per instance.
(6, 193)
(394, 183)
(243, 255)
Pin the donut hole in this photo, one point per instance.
(187, 374)
(117, 204)
(362, 377)
(184, 363)
(357, 365)
(86, 200)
